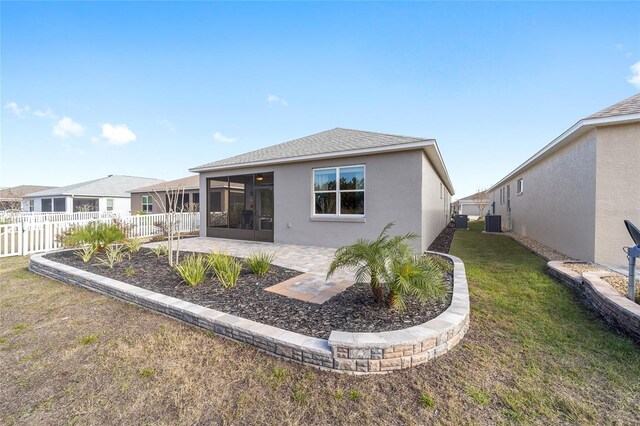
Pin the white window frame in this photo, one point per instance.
(109, 201)
(32, 205)
(520, 186)
(338, 192)
(149, 203)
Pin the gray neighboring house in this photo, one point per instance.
(469, 206)
(328, 189)
(573, 194)
(153, 198)
(12, 198)
(104, 194)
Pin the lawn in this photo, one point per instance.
(533, 355)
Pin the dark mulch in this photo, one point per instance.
(352, 310)
(442, 243)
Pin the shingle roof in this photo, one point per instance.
(330, 141)
(21, 190)
(110, 186)
(628, 106)
(191, 182)
(470, 197)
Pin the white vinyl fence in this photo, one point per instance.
(32, 217)
(24, 238)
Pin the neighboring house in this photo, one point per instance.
(105, 194)
(153, 198)
(328, 189)
(11, 198)
(574, 193)
(470, 206)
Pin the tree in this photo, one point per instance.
(481, 200)
(172, 207)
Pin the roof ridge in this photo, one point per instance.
(418, 138)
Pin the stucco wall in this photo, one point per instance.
(617, 190)
(436, 202)
(393, 193)
(557, 207)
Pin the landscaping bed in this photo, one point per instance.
(352, 310)
(442, 243)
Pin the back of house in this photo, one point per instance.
(328, 189)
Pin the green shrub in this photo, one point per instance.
(354, 395)
(133, 245)
(259, 263)
(192, 269)
(96, 234)
(86, 253)
(129, 271)
(114, 254)
(160, 250)
(226, 268)
(417, 276)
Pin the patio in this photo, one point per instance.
(311, 286)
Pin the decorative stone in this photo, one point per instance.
(360, 353)
(345, 364)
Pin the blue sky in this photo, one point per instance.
(151, 89)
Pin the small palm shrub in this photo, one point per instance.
(100, 235)
(226, 268)
(133, 245)
(85, 253)
(370, 258)
(113, 254)
(259, 263)
(192, 269)
(160, 250)
(418, 276)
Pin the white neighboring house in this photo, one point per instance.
(469, 206)
(574, 193)
(104, 194)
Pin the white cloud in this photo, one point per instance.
(635, 75)
(48, 113)
(118, 134)
(273, 99)
(16, 109)
(66, 127)
(222, 138)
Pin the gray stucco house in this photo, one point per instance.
(105, 194)
(328, 189)
(574, 193)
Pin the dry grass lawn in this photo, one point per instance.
(533, 355)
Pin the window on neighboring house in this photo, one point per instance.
(59, 204)
(339, 191)
(32, 206)
(441, 191)
(508, 198)
(501, 196)
(109, 204)
(520, 186)
(46, 205)
(147, 204)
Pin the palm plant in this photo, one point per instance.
(370, 257)
(417, 276)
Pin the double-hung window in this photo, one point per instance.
(109, 204)
(147, 204)
(339, 191)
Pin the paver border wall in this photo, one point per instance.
(616, 309)
(357, 353)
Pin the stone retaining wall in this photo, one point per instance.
(359, 353)
(616, 309)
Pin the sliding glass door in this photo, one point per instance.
(241, 207)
